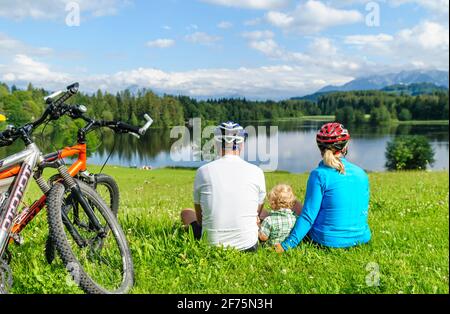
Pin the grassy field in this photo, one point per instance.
(408, 216)
(422, 122)
(327, 118)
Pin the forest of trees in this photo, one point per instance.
(351, 107)
(21, 106)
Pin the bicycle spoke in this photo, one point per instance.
(100, 257)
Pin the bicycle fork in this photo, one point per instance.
(87, 208)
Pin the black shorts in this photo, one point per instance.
(253, 249)
(197, 231)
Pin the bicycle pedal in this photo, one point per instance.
(18, 239)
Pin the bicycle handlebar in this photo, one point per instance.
(144, 129)
(117, 126)
(10, 135)
(57, 108)
(134, 130)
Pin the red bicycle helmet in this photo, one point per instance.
(332, 136)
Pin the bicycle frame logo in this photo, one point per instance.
(16, 197)
(27, 159)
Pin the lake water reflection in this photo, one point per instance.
(297, 151)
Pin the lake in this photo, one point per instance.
(295, 150)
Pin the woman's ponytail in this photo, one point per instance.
(332, 161)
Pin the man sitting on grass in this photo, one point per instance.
(229, 194)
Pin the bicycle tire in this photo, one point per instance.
(113, 189)
(114, 199)
(86, 283)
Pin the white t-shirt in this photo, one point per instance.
(229, 191)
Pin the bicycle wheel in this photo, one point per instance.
(108, 190)
(5, 277)
(99, 261)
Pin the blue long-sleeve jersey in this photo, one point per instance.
(335, 209)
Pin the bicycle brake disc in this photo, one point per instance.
(6, 279)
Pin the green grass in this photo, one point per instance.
(408, 216)
(319, 118)
(316, 118)
(325, 118)
(422, 122)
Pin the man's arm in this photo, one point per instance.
(264, 231)
(198, 182)
(313, 201)
(262, 214)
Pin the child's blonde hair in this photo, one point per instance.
(282, 196)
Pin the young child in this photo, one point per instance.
(278, 225)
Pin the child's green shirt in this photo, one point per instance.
(278, 225)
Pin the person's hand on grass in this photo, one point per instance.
(278, 248)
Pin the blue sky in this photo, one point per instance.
(253, 48)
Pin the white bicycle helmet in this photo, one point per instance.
(230, 134)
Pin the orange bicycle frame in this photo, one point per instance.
(28, 214)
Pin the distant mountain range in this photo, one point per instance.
(374, 82)
(407, 82)
(414, 89)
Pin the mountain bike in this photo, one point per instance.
(104, 184)
(86, 233)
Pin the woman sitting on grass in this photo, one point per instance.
(278, 225)
(337, 197)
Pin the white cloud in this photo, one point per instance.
(323, 47)
(251, 4)
(312, 17)
(272, 82)
(24, 69)
(263, 82)
(202, 38)
(427, 35)
(55, 9)
(257, 35)
(424, 45)
(161, 43)
(320, 56)
(437, 6)
(262, 41)
(268, 47)
(279, 19)
(379, 42)
(363, 40)
(225, 25)
(10, 46)
(253, 22)
(192, 27)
